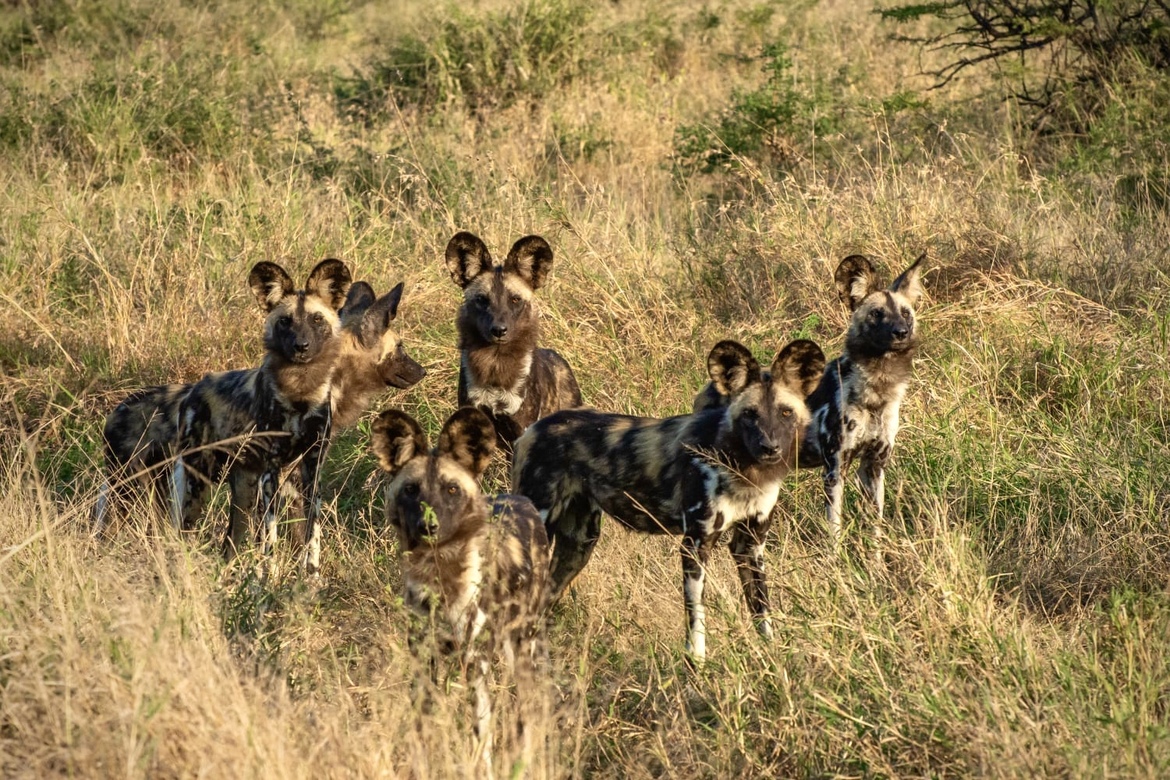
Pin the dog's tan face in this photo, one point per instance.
(434, 494)
(497, 299)
(300, 323)
(373, 355)
(883, 321)
(766, 409)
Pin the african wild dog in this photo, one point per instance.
(695, 475)
(256, 426)
(855, 406)
(371, 357)
(475, 567)
(140, 434)
(501, 370)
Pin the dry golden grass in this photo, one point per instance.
(1021, 626)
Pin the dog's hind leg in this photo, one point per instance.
(574, 531)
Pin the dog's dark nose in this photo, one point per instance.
(901, 332)
(428, 527)
(499, 331)
(301, 346)
(769, 448)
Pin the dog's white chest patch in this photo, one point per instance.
(499, 400)
(862, 426)
(742, 502)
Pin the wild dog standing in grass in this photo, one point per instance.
(141, 433)
(855, 405)
(474, 566)
(257, 426)
(697, 475)
(501, 370)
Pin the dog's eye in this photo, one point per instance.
(876, 315)
(318, 318)
(452, 489)
(786, 413)
(284, 322)
(482, 301)
(905, 313)
(515, 300)
(410, 489)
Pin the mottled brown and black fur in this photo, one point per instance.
(371, 357)
(856, 403)
(475, 567)
(696, 475)
(855, 408)
(258, 427)
(501, 370)
(141, 433)
(139, 438)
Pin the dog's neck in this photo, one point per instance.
(298, 385)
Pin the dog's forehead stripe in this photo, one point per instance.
(389, 345)
(514, 286)
(312, 305)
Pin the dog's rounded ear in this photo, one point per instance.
(270, 283)
(376, 320)
(732, 367)
(329, 281)
(467, 257)
(531, 257)
(359, 298)
(799, 367)
(395, 438)
(469, 438)
(909, 282)
(855, 279)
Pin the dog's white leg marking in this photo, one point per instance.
(483, 712)
(100, 509)
(694, 571)
(268, 503)
(834, 495)
(179, 488)
(313, 553)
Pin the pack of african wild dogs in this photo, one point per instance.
(481, 571)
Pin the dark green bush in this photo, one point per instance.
(767, 125)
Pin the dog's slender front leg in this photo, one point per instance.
(310, 477)
(871, 473)
(747, 550)
(268, 488)
(695, 552)
(834, 495)
(479, 668)
(574, 532)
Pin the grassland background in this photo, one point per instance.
(153, 151)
